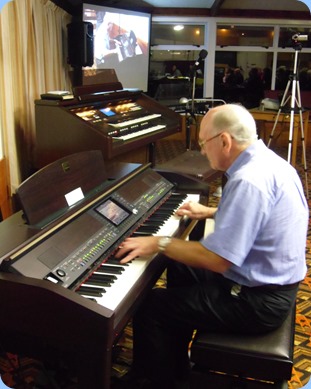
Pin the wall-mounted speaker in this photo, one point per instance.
(80, 44)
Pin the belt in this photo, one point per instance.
(276, 287)
(236, 288)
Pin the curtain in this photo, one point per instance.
(32, 61)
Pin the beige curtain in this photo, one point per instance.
(32, 61)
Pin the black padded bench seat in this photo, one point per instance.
(267, 357)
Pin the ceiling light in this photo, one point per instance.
(178, 27)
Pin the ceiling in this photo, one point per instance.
(292, 9)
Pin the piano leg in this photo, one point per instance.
(94, 368)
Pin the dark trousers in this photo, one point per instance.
(197, 299)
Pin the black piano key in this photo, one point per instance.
(116, 261)
(141, 233)
(103, 277)
(157, 218)
(148, 229)
(96, 282)
(153, 222)
(96, 292)
(106, 277)
(110, 269)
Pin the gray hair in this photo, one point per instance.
(237, 121)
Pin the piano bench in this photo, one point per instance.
(244, 361)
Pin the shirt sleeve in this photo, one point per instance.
(242, 212)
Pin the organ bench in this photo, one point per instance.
(245, 361)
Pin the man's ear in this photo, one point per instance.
(226, 140)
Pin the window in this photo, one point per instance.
(288, 37)
(285, 68)
(175, 47)
(177, 34)
(235, 35)
(267, 47)
(242, 76)
(167, 86)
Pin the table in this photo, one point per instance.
(284, 117)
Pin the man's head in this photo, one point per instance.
(225, 132)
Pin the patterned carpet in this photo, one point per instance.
(33, 374)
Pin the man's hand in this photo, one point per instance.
(137, 247)
(196, 211)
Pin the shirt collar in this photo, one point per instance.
(245, 157)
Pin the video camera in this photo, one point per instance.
(297, 39)
(300, 38)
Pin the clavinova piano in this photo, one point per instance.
(64, 295)
(123, 123)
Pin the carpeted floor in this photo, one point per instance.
(24, 373)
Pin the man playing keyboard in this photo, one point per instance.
(243, 277)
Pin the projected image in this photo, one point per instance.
(121, 35)
(121, 42)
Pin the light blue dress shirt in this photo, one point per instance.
(262, 219)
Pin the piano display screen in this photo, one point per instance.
(123, 111)
(107, 111)
(113, 212)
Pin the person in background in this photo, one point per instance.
(241, 278)
(254, 88)
(176, 72)
(229, 78)
(238, 76)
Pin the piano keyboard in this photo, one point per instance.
(145, 131)
(111, 282)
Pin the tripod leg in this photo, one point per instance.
(302, 140)
(283, 102)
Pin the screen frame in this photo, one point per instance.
(117, 204)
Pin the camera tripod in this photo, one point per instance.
(294, 103)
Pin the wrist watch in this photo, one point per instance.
(164, 242)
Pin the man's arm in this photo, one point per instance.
(189, 253)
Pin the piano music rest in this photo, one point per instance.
(191, 164)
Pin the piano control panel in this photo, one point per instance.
(67, 255)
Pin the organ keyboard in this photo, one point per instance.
(64, 289)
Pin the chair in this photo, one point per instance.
(245, 361)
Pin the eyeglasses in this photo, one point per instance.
(202, 142)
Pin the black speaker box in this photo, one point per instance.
(80, 44)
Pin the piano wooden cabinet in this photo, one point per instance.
(123, 124)
(45, 266)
